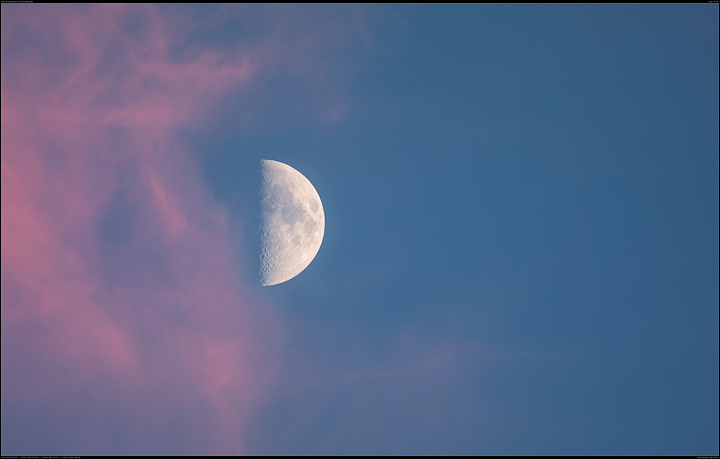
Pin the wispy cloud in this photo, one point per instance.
(117, 278)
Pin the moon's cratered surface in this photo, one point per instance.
(292, 223)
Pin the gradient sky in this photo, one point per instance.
(521, 245)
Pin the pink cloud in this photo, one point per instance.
(117, 270)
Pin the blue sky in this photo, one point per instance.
(521, 245)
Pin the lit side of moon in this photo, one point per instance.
(292, 223)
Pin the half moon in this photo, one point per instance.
(292, 223)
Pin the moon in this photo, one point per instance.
(292, 223)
